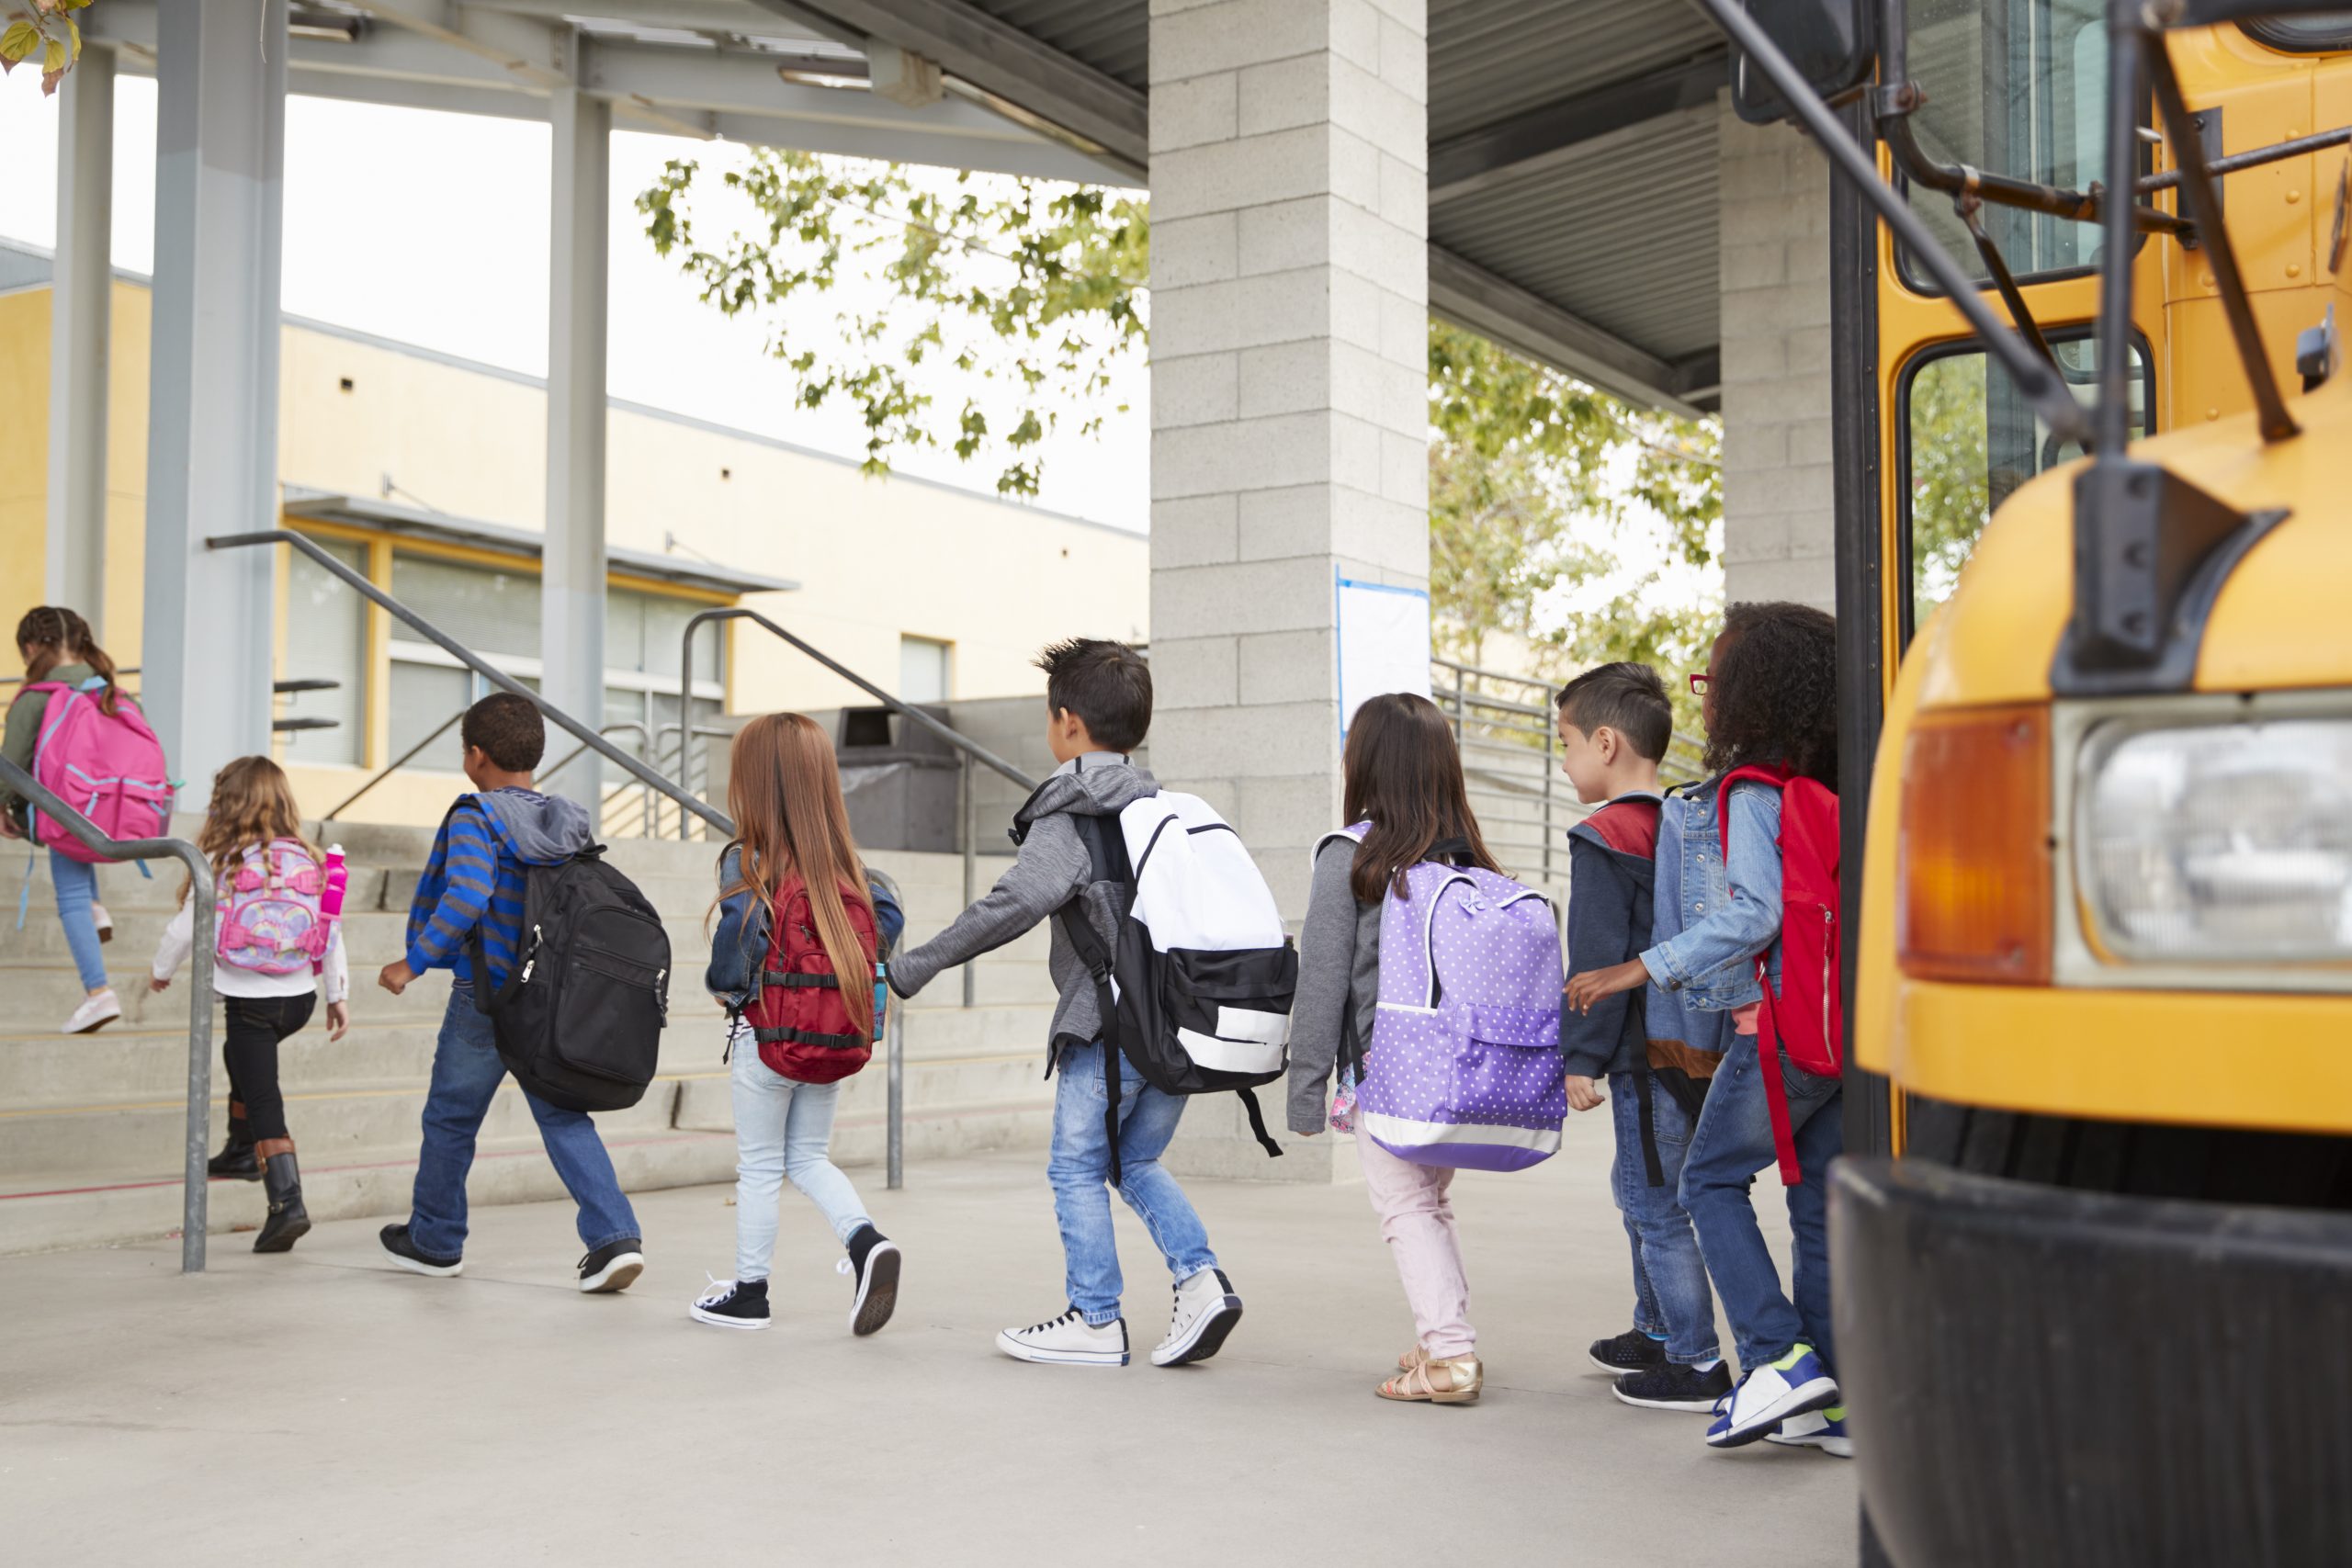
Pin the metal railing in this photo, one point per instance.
(1510, 760)
(195, 1191)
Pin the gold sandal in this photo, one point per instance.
(1455, 1379)
(1411, 1358)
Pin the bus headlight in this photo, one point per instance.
(2217, 844)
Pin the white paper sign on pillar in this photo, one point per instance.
(1384, 643)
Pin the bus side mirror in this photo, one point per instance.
(1834, 42)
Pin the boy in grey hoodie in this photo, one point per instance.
(1098, 706)
(473, 882)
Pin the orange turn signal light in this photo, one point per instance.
(1972, 866)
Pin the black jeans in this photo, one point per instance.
(256, 1025)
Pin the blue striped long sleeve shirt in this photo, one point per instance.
(469, 880)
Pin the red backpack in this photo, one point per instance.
(797, 1013)
(1807, 1020)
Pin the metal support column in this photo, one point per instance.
(571, 604)
(80, 318)
(212, 378)
(971, 835)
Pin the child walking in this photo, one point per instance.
(56, 645)
(1769, 697)
(1403, 776)
(1614, 723)
(277, 942)
(1098, 706)
(793, 864)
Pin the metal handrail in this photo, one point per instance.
(200, 997)
(739, 612)
(617, 727)
(20, 680)
(642, 772)
(395, 765)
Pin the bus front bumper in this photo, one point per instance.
(2046, 1376)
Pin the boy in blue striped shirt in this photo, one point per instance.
(473, 880)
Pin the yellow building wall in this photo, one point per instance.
(874, 558)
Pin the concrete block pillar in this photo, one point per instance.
(1779, 539)
(212, 404)
(79, 330)
(1290, 318)
(571, 605)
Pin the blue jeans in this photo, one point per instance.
(466, 1075)
(1732, 1146)
(1670, 1297)
(783, 1130)
(76, 883)
(1079, 1169)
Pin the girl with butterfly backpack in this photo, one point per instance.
(797, 959)
(278, 936)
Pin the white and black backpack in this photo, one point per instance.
(1196, 995)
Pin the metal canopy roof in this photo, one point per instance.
(1572, 156)
(1572, 142)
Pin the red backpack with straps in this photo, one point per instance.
(797, 1013)
(1807, 1020)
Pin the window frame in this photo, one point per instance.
(1928, 353)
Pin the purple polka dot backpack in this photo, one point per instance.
(1463, 1067)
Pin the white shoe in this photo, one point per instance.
(1770, 1394)
(96, 1013)
(1823, 1430)
(1206, 1310)
(1069, 1340)
(104, 921)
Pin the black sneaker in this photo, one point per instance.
(874, 1259)
(1671, 1386)
(732, 1303)
(1632, 1352)
(405, 1254)
(613, 1266)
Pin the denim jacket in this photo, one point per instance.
(1708, 927)
(740, 945)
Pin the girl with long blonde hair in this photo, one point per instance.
(277, 942)
(794, 890)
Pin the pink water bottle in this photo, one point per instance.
(330, 905)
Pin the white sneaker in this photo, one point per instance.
(1206, 1310)
(1769, 1395)
(1823, 1430)
(1069, 1340)
(104, 921)
(96, 1013)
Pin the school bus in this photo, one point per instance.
(2091, 1250)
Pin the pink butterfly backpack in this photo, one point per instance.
(278, 909)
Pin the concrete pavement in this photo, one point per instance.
(321, 1409)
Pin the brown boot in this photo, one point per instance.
(288, 1221)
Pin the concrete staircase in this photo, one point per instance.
(91, 1126)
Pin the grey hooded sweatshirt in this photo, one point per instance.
(1052, 865)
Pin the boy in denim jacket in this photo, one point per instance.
(1614, 723)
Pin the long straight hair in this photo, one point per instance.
(783, 790)
(253, 804)
(50, 635)
(1404, 776)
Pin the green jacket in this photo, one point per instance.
(24, 731)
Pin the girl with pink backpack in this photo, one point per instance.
(76, 732)
(278, 935)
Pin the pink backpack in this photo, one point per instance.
(109, 767)
(278, 910)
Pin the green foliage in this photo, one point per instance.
(45, 28)
(1952, 496)
(1535, 483)
(994, 278)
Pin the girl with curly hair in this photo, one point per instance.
(1769, 697)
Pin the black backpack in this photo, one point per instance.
(579, 1021)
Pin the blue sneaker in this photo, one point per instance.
(1769, 1395)
(1823, 1430)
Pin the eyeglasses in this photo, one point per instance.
(1699, 685)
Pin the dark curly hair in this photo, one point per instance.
(1776, 691)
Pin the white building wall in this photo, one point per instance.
(1777, 535)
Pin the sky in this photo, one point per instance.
(432, 229)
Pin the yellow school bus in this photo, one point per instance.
(2092, 1245)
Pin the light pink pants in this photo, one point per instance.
(1416, 1221)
